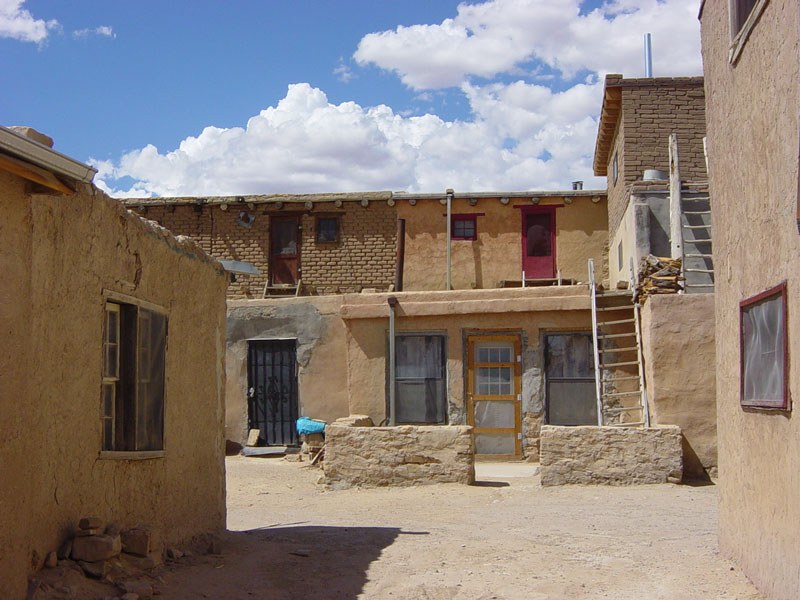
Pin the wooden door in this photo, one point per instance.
(539, 242)
(493, 394)
(284, 257)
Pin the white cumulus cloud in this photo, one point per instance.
(306, 144)
(17, 23)
(502, 36)
(103, 30)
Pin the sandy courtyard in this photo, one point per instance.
(505, 538)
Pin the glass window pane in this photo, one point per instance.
(421, 401)
(571, 403)
(763, 360)
(112, 326)
(419, 356)
(111, 361)
(150, 380)
(538, 226)
(108, 434)
(326, 229)
(491, 414)
(108, 399)
(569, 355)
(494, 443)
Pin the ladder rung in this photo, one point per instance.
(616, 322)
(698, 256)
(614, 411)
(623, 307)
(615, 394)
(698, 285)
(625, 424)
(698, 270)
(619, 364)
(696, 226)
(697, 212)
(625, 378)
(612, 350)
(700, 241)
(616, 335)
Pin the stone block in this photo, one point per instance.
(91, 523)
(610, 455)
(142, 589)
(95, 548)
(136, 541)
(94, 569)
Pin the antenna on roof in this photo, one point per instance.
(648, 56)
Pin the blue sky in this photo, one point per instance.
(202, 98)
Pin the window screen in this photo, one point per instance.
(463, 227)
(420, 390)
(327, 229)
(763, 350)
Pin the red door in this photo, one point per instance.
(539, 242)
(284, 254)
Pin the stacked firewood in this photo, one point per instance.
(659, 275)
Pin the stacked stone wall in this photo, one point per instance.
(610, 455)
(397, 456)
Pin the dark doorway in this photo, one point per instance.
(571, 394)
(284, 251)
(539, 242)
(272, 406)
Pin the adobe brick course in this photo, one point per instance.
(363, 256)
(638, 117)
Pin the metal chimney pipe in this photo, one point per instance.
(648, 56)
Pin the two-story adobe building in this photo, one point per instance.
(752, 63)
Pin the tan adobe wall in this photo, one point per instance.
(753, 109)
(496, 255)
(80, 245)
(649, 114)
(529, 313)
(679, 358)
(319, 331)
(610, 455)
(397, 456)
(364, 256)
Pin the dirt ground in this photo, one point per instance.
(505, 538)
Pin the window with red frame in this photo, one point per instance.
(464, 227)
(764, 350)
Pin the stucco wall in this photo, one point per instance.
(315, 324)
(74, 247)
(496, 254)
(752, 116)
(678, 348)
(529, 313)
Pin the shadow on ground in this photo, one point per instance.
(283, 562)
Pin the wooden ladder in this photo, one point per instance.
(618, 367)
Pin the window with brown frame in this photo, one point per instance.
(327, 229)
(764, 350)
(134, 348)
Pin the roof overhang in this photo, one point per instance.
(609, 116)
(36, 162)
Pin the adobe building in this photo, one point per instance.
(658, 204)
(476, 354)
(752, 65)
(111, 365)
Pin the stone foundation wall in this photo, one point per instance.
(397, 456)
(610, 455)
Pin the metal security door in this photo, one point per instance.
(272, 391)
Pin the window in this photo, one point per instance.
(619, 256)
(570, 385)
(614, 169)
(743, 16)
(463, 227)
(327, 229)
(764, 350)
(420, 385)
(134, 347)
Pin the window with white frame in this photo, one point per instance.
(134, 349)
(764, 350)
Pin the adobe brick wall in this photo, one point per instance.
(364, 256)
(652, 109)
